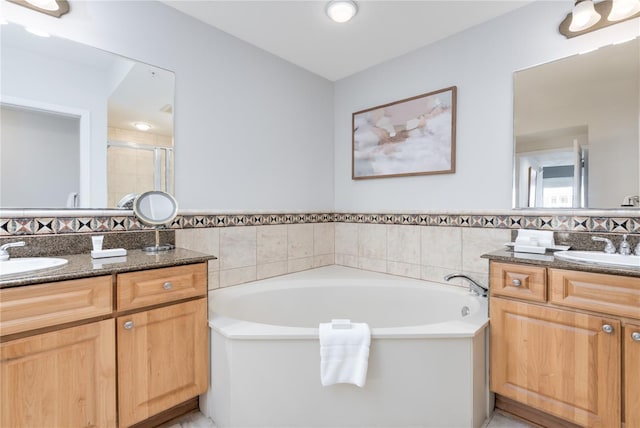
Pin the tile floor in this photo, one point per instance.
(198, 420)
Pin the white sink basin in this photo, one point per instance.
(29, 264)
(599, 258)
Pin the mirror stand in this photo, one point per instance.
(158, 247)
(156, 209)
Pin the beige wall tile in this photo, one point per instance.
(478, 241)
(481, 277)
(205, 240)
(213, 278)
(237, 276)
(346, 260)
(323, 260)
(269, 270)
(372, 241)
(299, 240)
(271, 243)
(403, 244)
(297, 265)
(323, 238)
(237, 247)
(346, 238)
(442, 247)
(437, 274)
(376, 265)
(403, 269)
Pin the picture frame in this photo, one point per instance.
(413, 136)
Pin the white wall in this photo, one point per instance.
(251, 130)
(480, 62)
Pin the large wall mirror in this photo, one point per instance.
(576, 131)
(73, 120)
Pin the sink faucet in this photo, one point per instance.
(4, 254)
(625, 247)
(474, 286)
(609, 248)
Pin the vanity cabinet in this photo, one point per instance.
(562, 342)
(64, 345)
(65, 377)
(163, 352)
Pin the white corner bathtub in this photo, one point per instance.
(427, 363)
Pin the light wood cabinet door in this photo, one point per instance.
(64, 378)
(561, 362)
(162, 359)
(632, 375)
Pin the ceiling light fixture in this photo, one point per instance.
(55, 8)
(586, 15)
(141, 126)
(341, 10)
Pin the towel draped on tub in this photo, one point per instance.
(344, 353)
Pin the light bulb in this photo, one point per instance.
(622, 9)
(141, 126)
(341, 10)
(584, 15)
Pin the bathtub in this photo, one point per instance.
(427, 363)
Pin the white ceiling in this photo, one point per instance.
(300, 32)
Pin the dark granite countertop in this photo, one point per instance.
(83, 266)
(548, 260)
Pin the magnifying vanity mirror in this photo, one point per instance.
(68, 136)
(576, 131)
(158, 209)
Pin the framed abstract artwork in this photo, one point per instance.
(414, 136)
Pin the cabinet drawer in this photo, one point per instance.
(36, 306)
(152, 287)
(610, 294)
(519, 281)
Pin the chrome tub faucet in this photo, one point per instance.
(474, 286)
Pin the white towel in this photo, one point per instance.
(344, 354)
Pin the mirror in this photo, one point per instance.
(156, 208)
(68, 112)
(576, 131)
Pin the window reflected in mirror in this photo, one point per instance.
(576, 131)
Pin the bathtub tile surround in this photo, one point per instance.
(423, 252)
(248, 253)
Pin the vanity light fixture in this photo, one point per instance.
(588, 16)
(141, 126)
(55, 8)
(622, 9)
(583, 16)
(341, 10)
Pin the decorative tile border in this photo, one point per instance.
(52, 225)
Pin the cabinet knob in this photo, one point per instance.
(516, 282)
(128, 325)
(635, 336)
(167, 285)
(607, 328)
